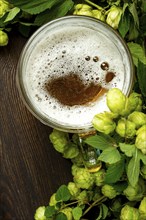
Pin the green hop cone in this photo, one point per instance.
(73, 189)
(142, 209)
(139, 118)
(139, 105)
(116, 100)
(71, 151)
(74, 169)
(102, 122)
(114, 16)
(68, 212)
(82, 197)
(4, 7)
(99, 177)
(121, 126)
(98, 14)
(140, 141)
(83, 178)
(83, 9)
(135, 193)
(3, 38)
(133, 102)
(78, 160)
(53, 201)
(129, 213)
(108, 191)
(126, 128)
(40, 213)
(59, 140)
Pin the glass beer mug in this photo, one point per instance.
(65, 70)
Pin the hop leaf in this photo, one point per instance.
(63, 193)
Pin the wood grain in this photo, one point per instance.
(31, 170)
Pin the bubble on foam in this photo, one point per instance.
(77, 51)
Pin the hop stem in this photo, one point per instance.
(93, 4)
(98, 201)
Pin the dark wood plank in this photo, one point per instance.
(31, 170)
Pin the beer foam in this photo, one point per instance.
(72, 50)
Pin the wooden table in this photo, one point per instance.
(31, 170)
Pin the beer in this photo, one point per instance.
(66, 69)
